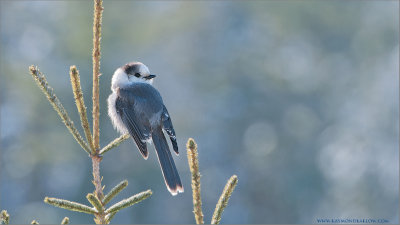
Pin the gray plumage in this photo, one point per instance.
(137, 108)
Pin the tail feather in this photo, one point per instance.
(170, 173)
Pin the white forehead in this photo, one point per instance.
(143, 69)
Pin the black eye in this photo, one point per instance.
(137, 74)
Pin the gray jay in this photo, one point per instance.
(136, 107)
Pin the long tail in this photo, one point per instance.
(170, 173)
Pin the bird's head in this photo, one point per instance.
(131, 73)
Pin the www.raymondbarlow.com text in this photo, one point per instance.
(352, 220)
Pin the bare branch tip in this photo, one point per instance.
(234, 178)
(224, 198)
(65, 220)
(33, 69)
(191, 144)
(4, 217)
(73, 70)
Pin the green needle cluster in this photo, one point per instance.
(98, 206)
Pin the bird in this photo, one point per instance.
(136, 108)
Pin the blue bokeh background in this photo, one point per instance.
(298, 98)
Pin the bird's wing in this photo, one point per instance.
(125, 109)
(169, 128)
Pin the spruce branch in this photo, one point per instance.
(55, 102)
(110, 216)
(223, 200)
(194, 169)
(117, 189)
(34, 222)
(95, 202)
(96, 159)
(92, 146)
(129, 201)
(80, 104)
(114, 143)
(4, 217)
(97, 17)
(65, 220)
(73, 206)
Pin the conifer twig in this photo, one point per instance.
(73, 206)
(96, 159)
(223, 200)
(80, 104)
(92, 146)
(115, 191)
(97, 17)
(129, 201)
(114, 143)
(194, 169)
(95, 202)
(55, 102)
(110, 216)
(4, 217)
(65, 220)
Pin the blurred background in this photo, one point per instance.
(298, 98)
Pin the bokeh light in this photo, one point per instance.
(300, 99)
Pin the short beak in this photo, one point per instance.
(149, 77)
